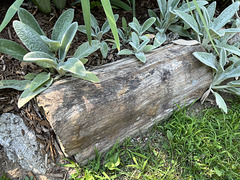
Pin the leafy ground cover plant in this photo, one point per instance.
(138, 48)
(190, 145)
(167, 17)
(109, 13)
(138, 42)
(50, 54)
(207, 28)
(125, 32)
(223, 76)
(210, 27)
(97, 33)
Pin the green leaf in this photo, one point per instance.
(162, 4)
(211, 9)
(159, 39)
(141, 56)
(30, 38)
(62, 24)
(220, 102)
(169, 135)
(225, 16)
(99, 36)
(94, 22)
(230, 48)
(124, 23)
(179, 30)
(43, 5)
(84, 60)
(75, 66)
(106, 27)
(104, 49)
(125, 52)
(87, 18)
(189, 20)
(86, 49)
(52, 44)
(121, 4)
(40, 57)
(207, 59)
(148, 48)
(215, 34)
(30, 76)
(108, 11)
(223, 59)
(147, 24)
(28, 19)
(15, 84)
(82, 28)
(135, 27)
(135, 40)
(114, 161)
(13, 49)
(206, 22)
(66, 40)
(143, 44)
(10, 13)
(89, 76)
(27, 95)
(39, 80)
(234, 83)
(60, 4)
(185, 7)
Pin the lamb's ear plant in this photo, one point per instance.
(97, 33)
(125, 32)
(139, 45)
(109, 13)
(167, 17)
(209, 27)
(141, 29)
(225, 74)
(50, 54)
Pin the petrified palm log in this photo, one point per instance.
(131, 97)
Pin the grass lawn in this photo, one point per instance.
(203, 145)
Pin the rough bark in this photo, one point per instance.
(131, 97)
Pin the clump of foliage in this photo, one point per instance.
(167, 16)
(207, 28)
(50, 54)
(138, 48)
(97, 33)
(138, 41)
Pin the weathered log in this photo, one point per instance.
(131, 97)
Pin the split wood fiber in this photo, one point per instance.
(131, 97)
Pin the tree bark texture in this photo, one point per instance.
(130, 98)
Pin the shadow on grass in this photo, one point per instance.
(192, 144)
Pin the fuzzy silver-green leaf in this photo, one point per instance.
(28, 19)
(13, 49)
(62, 24)
(30, 38)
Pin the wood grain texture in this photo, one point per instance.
(131, 97)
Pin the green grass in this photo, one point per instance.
(187, 146)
